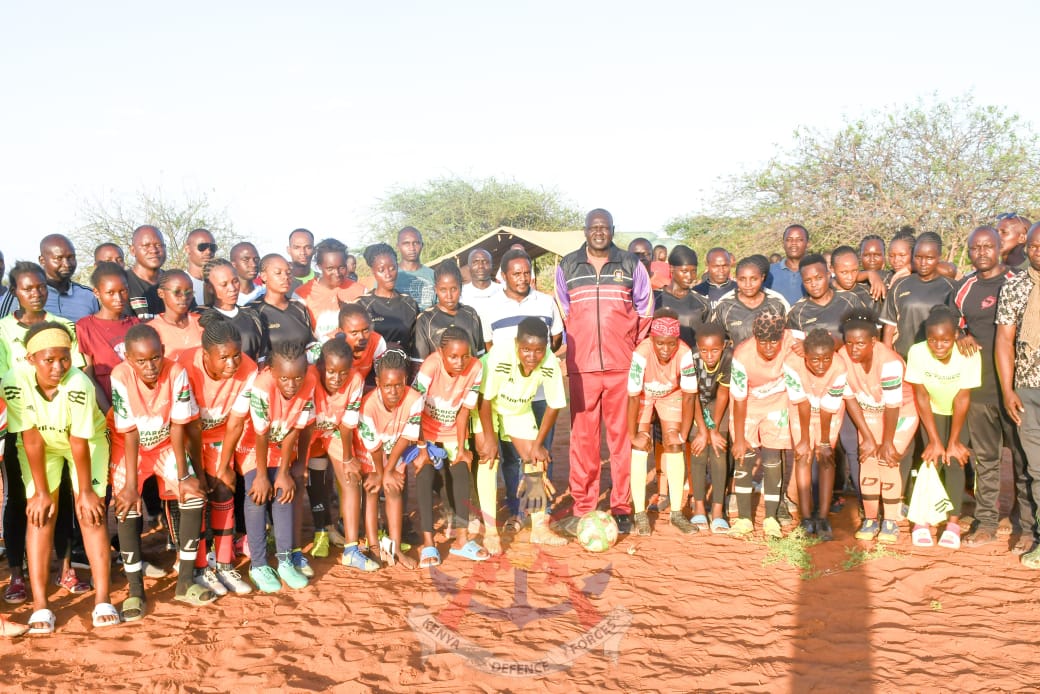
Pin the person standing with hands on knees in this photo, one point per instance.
(53, 406)
(605, 297)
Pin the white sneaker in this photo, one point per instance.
(233, 581)
(207, 578)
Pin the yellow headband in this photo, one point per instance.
(47, 338)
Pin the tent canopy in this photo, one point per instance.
(497, 242)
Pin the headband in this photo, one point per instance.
(664, 327)
(47, 338)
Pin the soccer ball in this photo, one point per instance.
(597, 531)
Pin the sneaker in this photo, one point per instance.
(889, 532)
(678, 521)
(301, 564)
(808, 526)
(1031, 560)
(642, 523)
(265, 579)
(824, 530)
(232, 580)
(207, 578)
(70, 582)
(771, 528)
(292, 577)
(567, 526)
(16, 592)
(868, 530)
(335, 536)
(741, 527)
(624, 523)
(321, 544)
(354, 558)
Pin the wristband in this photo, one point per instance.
(181, 479)
(421, 445)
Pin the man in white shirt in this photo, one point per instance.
(481, 292)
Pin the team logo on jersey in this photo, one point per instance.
(445, 628)
(619, 276)
(77, 397)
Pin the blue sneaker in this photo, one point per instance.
(300, 563)
(293, 578)
(265, 578)
(354, 558)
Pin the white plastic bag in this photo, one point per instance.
(929, 504)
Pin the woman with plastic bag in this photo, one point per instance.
(942, 378)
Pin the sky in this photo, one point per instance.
(307, 114)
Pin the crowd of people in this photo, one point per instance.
(226, 399)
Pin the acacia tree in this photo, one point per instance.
(945, 167)
(451, 212)
(114, 221)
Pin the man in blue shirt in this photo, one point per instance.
(65, 298)
(784, 276)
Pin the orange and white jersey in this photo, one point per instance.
(825, 393)
(445, 395)
(883, 386)
(274, 415)
(765, 382)
(331, 410)
(373, 350)
(218, 398)
(653, 380)
(178, 341)
(151, 411)
(323, 304)
(380, 426)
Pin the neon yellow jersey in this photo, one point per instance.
(510, 392)
(12, 337)
(72, 412)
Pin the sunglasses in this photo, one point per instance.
(180, 292)
(203, 247)
(1006, 215)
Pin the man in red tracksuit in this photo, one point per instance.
(606, 301)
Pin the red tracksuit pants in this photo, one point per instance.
(599, 397)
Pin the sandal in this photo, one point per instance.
(429, 557)
(41, 617)
(70, 582)
(951, 537)
(701, 521)
(10, 630)
(133, 609)
(16, 592)
(472, 551)
(921, 536)
(513, 525)
(104, 615)
(1023, 545)
(719, 526)
(196, 596)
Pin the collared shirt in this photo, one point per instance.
(78, 302)
(1011, 307)
(504, 315)
(481, 301)
(785, 281)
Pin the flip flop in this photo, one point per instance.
(196, 596)
(719, 526)
(45, 617)
(133, 609)
(429, 557)
(103, 611)
(951, 537)
(922, 536)
(471, 550)
(701, 521)
(981, 537)
(10, 630)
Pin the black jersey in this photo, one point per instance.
(736, 317)
(143, 296)
(393, 318)
(255, 342)
(976, 300)
(693, 309)
(292, 324)
(907, 305)
(806, 314)
(432, 322)
(714, 292)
